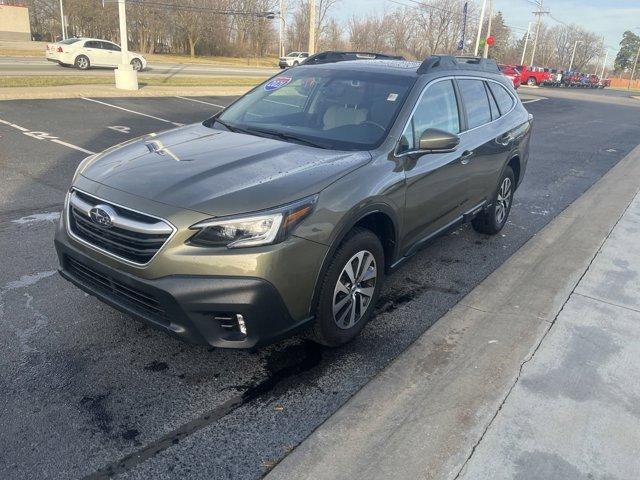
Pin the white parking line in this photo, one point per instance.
(75, 147)
(133, 111)
(39, 135)
(201, 101)
(533, 100)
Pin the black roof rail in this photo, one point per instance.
(450, 62)
(333, 56)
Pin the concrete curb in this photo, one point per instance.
(424, 414)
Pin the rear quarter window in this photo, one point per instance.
(504, 100)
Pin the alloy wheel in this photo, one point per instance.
(354, 289)
(82, 63)
(503, 201)
(137, 65)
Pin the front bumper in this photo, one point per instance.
(195, 308)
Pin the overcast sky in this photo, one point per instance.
(608, 18)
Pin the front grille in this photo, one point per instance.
(136, 299)
(133, 237)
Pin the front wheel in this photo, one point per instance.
(494, 218)
(532, 82)
(136, 63)
(296, 63)
(350, 289)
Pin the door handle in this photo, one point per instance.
(466, 157)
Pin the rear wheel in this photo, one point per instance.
(350, 289)
(494, 218)
(532, 82)
(296, 63)
(82, 62)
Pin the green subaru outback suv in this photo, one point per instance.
(286, 210)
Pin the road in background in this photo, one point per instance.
(85, 389)
(14, 66)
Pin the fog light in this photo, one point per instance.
(241, 325)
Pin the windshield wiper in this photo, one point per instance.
(287, 137)
(226, 125)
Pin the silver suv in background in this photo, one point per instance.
(293, 59)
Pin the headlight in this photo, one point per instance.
(252, 230)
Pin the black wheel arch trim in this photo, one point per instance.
(349, 221)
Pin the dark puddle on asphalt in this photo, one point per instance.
(280, 364)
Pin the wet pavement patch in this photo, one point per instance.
(279, 364)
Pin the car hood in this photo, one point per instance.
(218, 172)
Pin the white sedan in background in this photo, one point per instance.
(84, 53)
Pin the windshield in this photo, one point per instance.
(334, 109)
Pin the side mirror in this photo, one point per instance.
(435, 140)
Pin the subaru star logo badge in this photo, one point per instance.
(102, 215)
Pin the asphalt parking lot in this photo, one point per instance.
(88, 391)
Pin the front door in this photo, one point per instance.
(435, 182)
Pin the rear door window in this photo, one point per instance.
(503, 98)
(92, 44)
(476, 102)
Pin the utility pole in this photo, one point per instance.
(606, 56)
(575, 45)
(633, 73)
(312, 27)
(486, 45)
(526, 42)
(281, 22)
(484, 6)
(63, 24)
(539, 14)
(126, 76)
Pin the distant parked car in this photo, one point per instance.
(293, 59)
(511, 73)
(533, 76)
(84, 53)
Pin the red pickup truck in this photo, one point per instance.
(533, 76)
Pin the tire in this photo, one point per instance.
(343, 307)
(532, 82)
(494, 218)
(296, 63)
(136, 63)
(82, 62)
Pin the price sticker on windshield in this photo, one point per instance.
(276, 83)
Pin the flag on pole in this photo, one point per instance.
(463, 27)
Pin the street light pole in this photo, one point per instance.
(486, 45)
(63, 24)
(126, 76)
(575, 45)
(484, 6)
(526, 41)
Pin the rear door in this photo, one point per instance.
(435, 182)
(486, 135)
